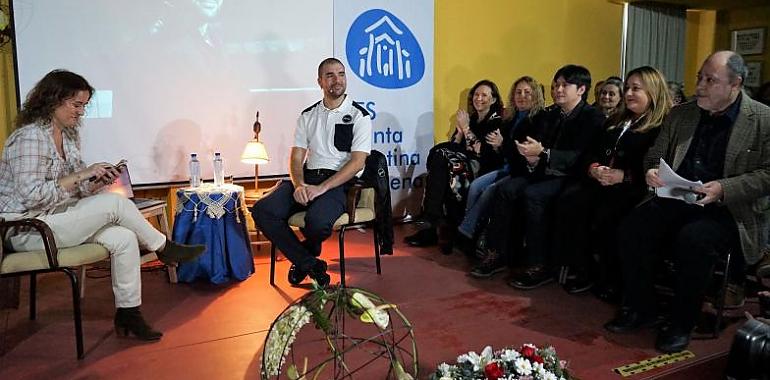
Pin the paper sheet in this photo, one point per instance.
(676, 186)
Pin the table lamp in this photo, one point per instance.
(255, 152)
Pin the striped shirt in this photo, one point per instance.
(30, 167)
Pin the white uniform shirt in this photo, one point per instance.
(331, 135)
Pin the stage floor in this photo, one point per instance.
(217, 332)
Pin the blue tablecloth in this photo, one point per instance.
(213, 216)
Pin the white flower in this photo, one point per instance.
(523, 366)
(445, 378)
(444, 368)
(464, 357)
(372, 314)
(509, 355)
(549, 376)
(479, 361)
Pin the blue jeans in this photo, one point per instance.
(479, 196)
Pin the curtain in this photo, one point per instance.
(655, 37)
(7, 86)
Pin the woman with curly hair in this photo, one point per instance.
(43, 176)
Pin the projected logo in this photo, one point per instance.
(383, 52)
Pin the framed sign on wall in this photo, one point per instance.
(754, 78)
(748, 41)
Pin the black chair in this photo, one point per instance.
(360, 206)
(50, 259)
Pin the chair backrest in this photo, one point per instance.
(367, 199)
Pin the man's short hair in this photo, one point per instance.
(577, 75)
(328, 61)
(737, 67)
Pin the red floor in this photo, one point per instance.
(217, 332)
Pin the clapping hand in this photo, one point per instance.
(529, 148)
(494, 138)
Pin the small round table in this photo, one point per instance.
(213, 216)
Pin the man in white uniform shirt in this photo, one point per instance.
(331, 143)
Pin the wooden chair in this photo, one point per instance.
(360, 213)
(50, 259)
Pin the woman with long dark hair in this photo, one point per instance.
(473, 150)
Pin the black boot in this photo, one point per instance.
(318, 273)
(129, 320)
(174, 252)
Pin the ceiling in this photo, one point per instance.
(712, 4)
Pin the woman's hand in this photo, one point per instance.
(495, 139)
(102, 173)
(607, 176)
(462, 125)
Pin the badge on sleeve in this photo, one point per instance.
(347, 119)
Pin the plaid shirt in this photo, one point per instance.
(30, 168)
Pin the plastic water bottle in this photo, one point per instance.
(219, 170)
(195, 170)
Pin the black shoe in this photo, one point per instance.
(174, 252)
(627, 321)
(488, 267)
(531, 278)
(578, 284)
(423, 238)
(296, 275)
(672, 340)
(318, 273)
(129, 321)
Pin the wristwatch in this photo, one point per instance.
(545, 154)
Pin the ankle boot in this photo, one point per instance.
(318, 273)
(174, 252)
(129, 320)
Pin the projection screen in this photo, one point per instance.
(180, 76)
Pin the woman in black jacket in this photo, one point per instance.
(589, 210)
(473, 150)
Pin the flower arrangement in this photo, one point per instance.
(527, 363)
(356, 332)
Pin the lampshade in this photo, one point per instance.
(255, 153)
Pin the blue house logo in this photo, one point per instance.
(383, 52)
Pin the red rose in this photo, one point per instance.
(527, 351)
(537, 358)
(493, 371)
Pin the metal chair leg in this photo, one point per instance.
(377, 250)
(342, 256)
(32, 296)
(76, 311)
(720, 306)
(272, 264)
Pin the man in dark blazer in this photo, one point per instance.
(723, 140)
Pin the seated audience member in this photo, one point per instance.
(549, 155)
(331, 142)
(42, 176)
(589, 211)
(610, 95)
(597, 93)
(473, 150)
(723, 140)
(525, 101)
(676, 91)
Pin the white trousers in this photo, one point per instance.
(112, 221)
